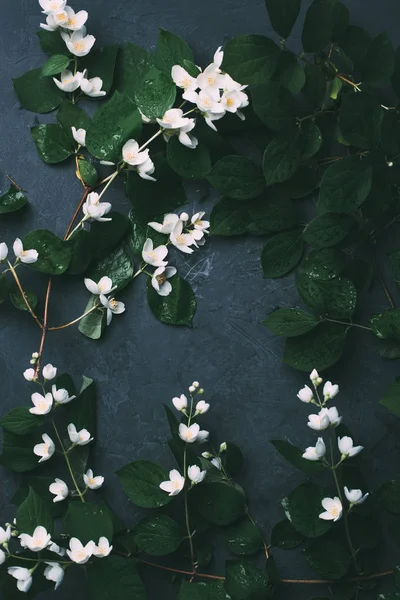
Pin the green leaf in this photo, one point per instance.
(115, 577)
(325, 20)
(336, 298)
(243, 537)
(324, 264)
(289, 72)
(36, 93)
(251, 59)
(118, 265)
(391, 399)
(219, 502)
(274, 105)
(396, 73)
(210, 590)
(12, 200)
(345, 185)
(54, 254)
(105, 237)
(303, 507)
(55, 64)
(229, 218)
(387, 324)
(141, 482)
(156, 94)
(272, 212)
(88, 172)
(244, 581)
(281, 253)
(282, 156)
(70, 115)
(18, 453)
(310, 140)
(328, 229)
(140, 233)
(294, 456)
(113, 124)
(20, 421)
(41, 486)
(354, 43)
(34, 511)
(18, 301)
(237, 177)
(290, 322)
(134, 63)
(52, 143)
(320, 348)
(157, 535)
(283, 15)
(285, 536)
(315, 86)
(102, 64)
(178, 308)
(330, 559)
(378, 65)
(394, 263)
(94, 324)
(360, 120)
(189, 163)
(171, 50)
(87, 522)
(51, 42)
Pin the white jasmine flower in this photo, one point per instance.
(23, 577)
(346, 447)
(330, 390)
(36, 542)
(42, 404)
(192, 434)
(315, 378)
(79, 553)
(75, 21)
(132, 155)
(49, 372)
(5, 535)
(174, 119)
(103, 548)
(159, 280)
(355, 496)
(3, 557)
(187, 139)
(79, 438)
(3, 251)
(175, 483)
(146, 169)
(154, 256)
(217, 463)
(92, 87)
(305, 394)
(234, 100)
(146, 119)
(208, 104)
(104, 286)
(79, 136)
(94, 209)
(195, 474)
(230, 84)
(55, 548)
(180, 403)
(182, 79)
(333, 415)
(202, 407)
(211, 79)
(45, 450)
(168, 224)
(52, 6)
(26, 256)
(92, 482)
(30, 374)
(78, 43)
(318, 422)
(51, 22)
(317, 452)
(61, 396)
(218, 56)
(69, 82)
(60, 489)
(180, 240)
(199, 224)
(333, 508)
(54, 572)
(113, 307)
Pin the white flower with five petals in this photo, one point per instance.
(333, 509)
(175, 483)
(75, 21)
(181, 240)
(146, 169)
(305, 394)
(52, 6)
(318, 422)
(79, 438)
(46, 449)
(154, 256)
(132, 154)
(202, 407)
(330, 390)
(103, 548)
(60, 490)
(173, 119)
(192, 434)
(113, 307)
(38, 541)
(78, 43)
(94, 209)
(25, 256)
(198, 223)
(159, 280)
(79, 553)
(182, 79)
(69, 82)
(92, 482)
(42, 404)
(104, 286)
(168, 224)
(333, 415)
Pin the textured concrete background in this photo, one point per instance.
(140, 362)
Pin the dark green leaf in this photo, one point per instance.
(54, 254)
(34, 511)
(285, 536)
(105, 237)
(394, 263)
(229, 217)
(387, 324)
(70, 115)
(36, 93)
(243, 537)
(282, 156)
(51, 42)
(101, 63)
(219, 502)
(391, 399)
(274, 105)
(244, 581)
(156, 94)
(237, 177)
(87, 521)
(303, 507)
(52, 143)
(364, 531)
(157, 535)
(94, 324)
(133, 64)
(320, 348)
(171, 50)
(310, 140)
(141, 482)
(315, 86)
(178, 308)
(202, 590)
(302, 183)
(378, 62)
(272, 212)
(390, 134)
(328, 229)
(336, 298)
(88, 172)
(360, 120)
(251, 59)
(325, 20)
(55, 64)
(330, 559)
(345, 185)
(232, 459)
(355, 42)
(283, 15)
(324, 264)
(294, 456)
(290, 322)
(118, 265)
(20, 421)
(41, 486)
(281, 253)
(12, 200)
(396, 73)
(140, 233)
(114, 578)
(290, 73)
(113, 124)
(189, 163)
(389, 496)
(18, 301)
(18, 453)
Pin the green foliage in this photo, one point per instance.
(87, 521)
(328, 558)
(282, 253)
(285, 536)
(37, 93)
(70, 115)
(244, 581)
(283, 15)
(102, 64)
(52, 143)
(133, 64)
(319, 349)
(325, 21)
(237, 177)
(202, 590)
(171, 50)
(20, 421)
(295, 457)
(18, 301)
(55, 64)
(14, 199)
(219, 502)
(17, 452)
(389, 496)
(158, 535)
(34, 511)
(303, 507)
(54, 254)
(391, 399)
(115, 577)
(141, 482)
(156, 94)
(251, 59)
(243, 537)
(178, 308)
(274, 105)
(188, 163)
(345, 185)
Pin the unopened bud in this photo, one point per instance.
(222, 447)
(195, 384)
(192, 389)
(390, 164)
(184, 217)
(200, 391)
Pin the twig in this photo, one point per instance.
(74, 321)
(19, 188)
(25, 299)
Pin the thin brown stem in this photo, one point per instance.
(65, 453)
(354, 85)
(19, 188)
(25, 299)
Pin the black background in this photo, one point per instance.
(141, 363)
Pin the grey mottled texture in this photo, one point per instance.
(141, 363)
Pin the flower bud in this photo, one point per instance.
(195, 384)
(222, 447)
(192, 389)
(184, 216)
(207, 455)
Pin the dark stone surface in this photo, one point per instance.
(141, 363)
